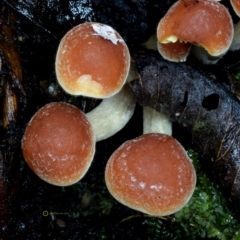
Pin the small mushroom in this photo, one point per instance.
(58, 144)
(205, 23)
(93, 60)
(152, 174)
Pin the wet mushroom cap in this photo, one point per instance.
(92, 60)
(236, 6)
(206, 23)
(151, 174)
(58, 144)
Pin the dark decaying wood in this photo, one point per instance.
(11, 79)
(199, 103)
(135, 20)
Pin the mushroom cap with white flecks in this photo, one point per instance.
(58, 144)
(152, 174)
(92, 60)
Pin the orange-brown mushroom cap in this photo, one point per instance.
(236, 6)
(151, 174)
(175, 52)
(92, 60)
(58, 144)
(206, 23)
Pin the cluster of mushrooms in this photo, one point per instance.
(151, 173)
(203, 27)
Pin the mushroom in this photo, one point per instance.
(58, 144)
(152, 174)
(205, 23)
(93, 60)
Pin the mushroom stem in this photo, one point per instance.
(132, 74)
(236, 38)
(155, 122)
(203, 56)
(151, 43)
(112, 114)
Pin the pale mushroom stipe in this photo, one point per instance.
(156, 122)
(58, 144)
(112, 114)
(152, 174)
(204, 23)
(236, 39)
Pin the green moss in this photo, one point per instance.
(237, 75)
(94, 200)
(198, 126)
